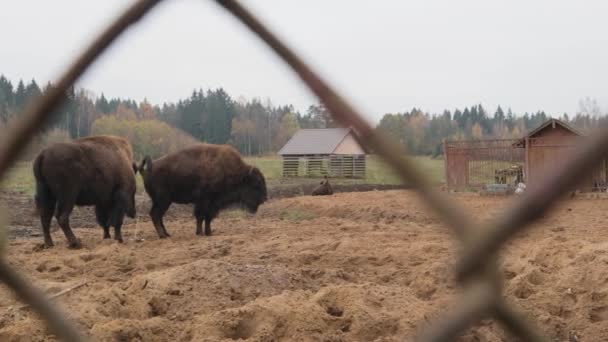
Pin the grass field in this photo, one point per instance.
(20, 178)
(377, 171)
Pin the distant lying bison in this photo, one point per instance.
(212, 177)
(324, 188)
(94, 171)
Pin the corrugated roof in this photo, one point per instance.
(315, 141)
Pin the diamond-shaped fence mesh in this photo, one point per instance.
(477, 270)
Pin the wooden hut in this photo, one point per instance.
(546, 147)
(333, 152)
(478, 163)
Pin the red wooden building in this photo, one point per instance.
(474, 164)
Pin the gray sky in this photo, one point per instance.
(386, 56)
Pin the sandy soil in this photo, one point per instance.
(372, 266)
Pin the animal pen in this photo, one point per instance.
(473, 164)
(478, 164)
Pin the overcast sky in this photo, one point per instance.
(385, 56)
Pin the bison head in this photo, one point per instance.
(253, 190)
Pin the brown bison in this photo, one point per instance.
(324, 189)
(94, 171)
(212, 177)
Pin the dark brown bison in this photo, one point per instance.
(212, 177)
(94, 171)
(324, 189)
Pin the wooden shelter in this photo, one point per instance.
(479, 163)
(546, 147)
(333, 152)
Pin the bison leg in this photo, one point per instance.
(199, 226)
(162, 225)
(208, 225)
(198, 213)
(117, 215)
(156, 213)
(64, 209)
(211, 214)
(117, 228)
(46, 215)
(103, 220)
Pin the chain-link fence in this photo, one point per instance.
(477, 270)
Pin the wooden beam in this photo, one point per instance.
(446, 164)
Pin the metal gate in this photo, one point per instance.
(471, 164)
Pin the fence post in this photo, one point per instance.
(527, 161)
(445, 164)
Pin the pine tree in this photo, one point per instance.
(20, 96)
(6, 98)
(32, 91)
(499, 115)
(102, 105)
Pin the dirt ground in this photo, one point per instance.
(23, 222)
(373, 266)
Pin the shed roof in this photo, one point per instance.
(549, 123)
(315, 141)
(552, 123)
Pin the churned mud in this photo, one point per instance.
(372, 266)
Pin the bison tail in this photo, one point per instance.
(44, 197)
(146, 164)
(37, 167)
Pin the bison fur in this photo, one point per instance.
(212, 177)
(324, 188)
(93, 171)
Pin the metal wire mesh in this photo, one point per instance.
(477, 270)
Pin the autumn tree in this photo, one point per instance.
(146, 111)
(257, 127)
(393, 125)
(289, 126)
(124, 112)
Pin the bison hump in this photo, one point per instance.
(215, 166)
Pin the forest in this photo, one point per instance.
(259, 127)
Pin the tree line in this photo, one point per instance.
(422, 133)
(258, 127)
(252, 126)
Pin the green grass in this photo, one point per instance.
(433, 168)
(377, 171)
(20, 178)
(271, 167)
